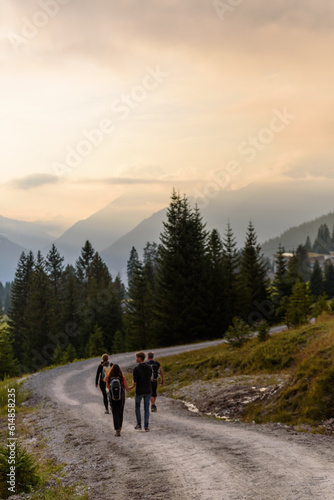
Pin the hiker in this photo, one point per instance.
(101, 372)
(157, 372)
(142, 381)
(116, 384)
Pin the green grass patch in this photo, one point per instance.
(305, 356)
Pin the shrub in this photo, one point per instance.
(238, 332)
(26, 476)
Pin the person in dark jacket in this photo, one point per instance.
(142, 381)
(117, 406)
(101, 372)
(155, 365)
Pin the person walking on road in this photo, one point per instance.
(101, 372)
(157, 372)
(117, 385)
(142, 381)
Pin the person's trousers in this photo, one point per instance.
(147, 398)
(105, 396)
(117, 408)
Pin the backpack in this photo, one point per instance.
(155, 371)
(115, 389)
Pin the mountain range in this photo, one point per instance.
(279, 213)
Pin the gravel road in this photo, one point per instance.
(184, 456)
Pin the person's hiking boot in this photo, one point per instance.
(147, 429)
(153, 409)
(118, 433)
(138, 427)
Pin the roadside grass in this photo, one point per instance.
(304, 356)
(35, 474)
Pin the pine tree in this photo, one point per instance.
(55, 269)
(150, 261)
(253, 279)
(216, 290)
(132, 263)
(181, 293)
(281, 286)
(329, 279)
(95, 343)
(317, 282)
(308, 244)
(20, 297)
(8, 364)
(139, 310)
(83, 264)
(299, 305)
(298, 267)
(70, 314)
(231, 262)
(40, 319)
(119, 342)
(322, 243)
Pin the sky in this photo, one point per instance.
(109, 98)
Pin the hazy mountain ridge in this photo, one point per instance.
(117, 227)
(10, 253)
(32, 235)
(294, 236)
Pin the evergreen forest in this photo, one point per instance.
(190, 286)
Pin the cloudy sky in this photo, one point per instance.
(104, 98)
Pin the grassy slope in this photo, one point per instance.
(305, 354)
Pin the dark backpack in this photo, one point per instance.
(155, 371)
(115, 389)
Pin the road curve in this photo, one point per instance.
(184, 456)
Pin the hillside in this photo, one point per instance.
(288, 379)
(297, 235)
(10, 253)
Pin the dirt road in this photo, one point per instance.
(184, 456)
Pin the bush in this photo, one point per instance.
(26, 476)
(263, 331)
(238, 332)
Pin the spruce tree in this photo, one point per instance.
(317, 282)
(55, 268)
(150, 262)
(281, 286)
(329, 279)
(8, 363)
(308, 244)
(298, 267)
(231, 262)
(95, 345)
(139, 310)
(216, 291)
(322, 243)
(20, 296)
(83, 264)
(182, 286)
(299, 305)
(40, 319)
(253, 280)
(132, 263)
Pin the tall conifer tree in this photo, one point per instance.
(253, 276)
(231, 263)
(181, 298)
